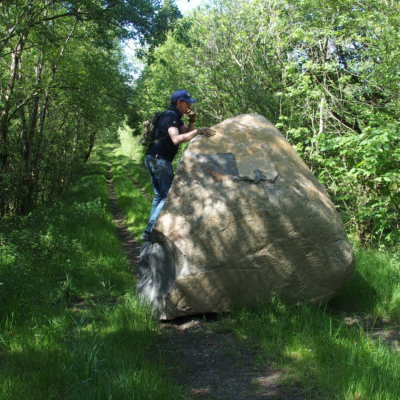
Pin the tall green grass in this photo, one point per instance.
(133, 205)
(319, 348)
(319, 351)
(375, 286)
(70, 326)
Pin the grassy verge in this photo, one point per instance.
(132, 153)
(70, 327)
(133, 205)
(137, 170)
(330, 350)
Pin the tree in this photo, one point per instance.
(62, 83)
(325, 74)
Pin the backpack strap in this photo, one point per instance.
(158, 140)
(155, 128)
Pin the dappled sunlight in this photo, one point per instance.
(70, 324)
(250, 236)
(304, 344)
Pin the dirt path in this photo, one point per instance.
(130, 247)
(211, 364)
(207, 362)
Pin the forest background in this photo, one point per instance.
(327, 75)
(64, 81)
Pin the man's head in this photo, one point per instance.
(182, 100)
(181, 95)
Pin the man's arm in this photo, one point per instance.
(178, 138)
(185, 129)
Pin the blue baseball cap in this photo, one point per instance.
(182, 95)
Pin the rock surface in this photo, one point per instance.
(245, 219)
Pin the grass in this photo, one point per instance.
(70, 326)
(375, 286)
(133, 205)
(138, 172)
(132, 153)
(319, 352)
(320, 348)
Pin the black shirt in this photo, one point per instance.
(165, 148)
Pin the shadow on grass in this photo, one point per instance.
(106, 362)
(66, 330)
(207, 317)
(325, 355)
(357, 296)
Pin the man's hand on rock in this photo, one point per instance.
(206, 131)
(191, 114)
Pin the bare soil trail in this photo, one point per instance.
(130, 247)
(212, 364)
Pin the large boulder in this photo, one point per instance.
(245, 219)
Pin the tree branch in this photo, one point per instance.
(88, 91)
(23, 104)
(353, 127)
(391, 198)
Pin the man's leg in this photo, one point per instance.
(157, 196)
(162, 175)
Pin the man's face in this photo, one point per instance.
(183, 106)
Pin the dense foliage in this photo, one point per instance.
(62, 84)
(326, 73)
(70, 325)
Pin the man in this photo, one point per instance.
(169, 134)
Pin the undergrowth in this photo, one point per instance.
(133, 205)
(330, 350)
(70, 326)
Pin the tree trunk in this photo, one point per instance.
(92, 137)
(4, 115)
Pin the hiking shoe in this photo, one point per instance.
(146, 237)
